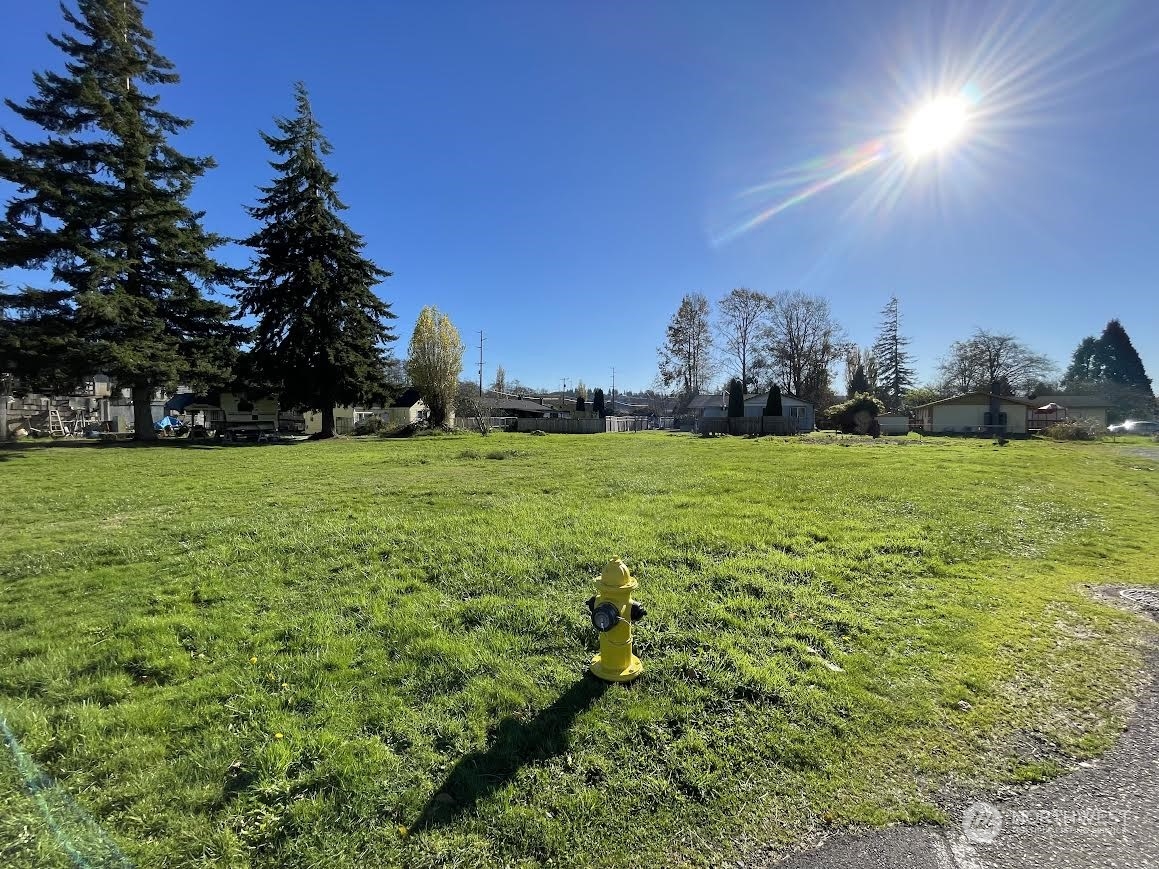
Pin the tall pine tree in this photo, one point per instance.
(1085, 367)
(101, 204)
(895, 373)
(1119, 360)
(321, 339)
(1110, 366)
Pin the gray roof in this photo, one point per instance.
(1073, 400)
(764, 397)
(520, 404)
(982, 398)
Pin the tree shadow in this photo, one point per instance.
(516, 744)
(6, 453)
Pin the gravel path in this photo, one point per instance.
(1105, 814)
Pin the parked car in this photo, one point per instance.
(1135, 426)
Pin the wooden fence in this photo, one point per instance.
(749, 425)
(586, 426)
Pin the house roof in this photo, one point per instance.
(1073, 400)
(409, 398)
(700, 402)
(520, 404)
(764, 397)
(981, 398)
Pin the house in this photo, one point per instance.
(521, 407)
(408, 409)
(706, 406)
(1093, 407)
(796, 409)
(970, 413)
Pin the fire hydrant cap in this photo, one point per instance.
(616, 575)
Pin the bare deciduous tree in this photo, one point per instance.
(686, 357)
(741, 315)
(801, 344)
(989, 362)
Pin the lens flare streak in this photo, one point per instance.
(971, 90)
(858, 161)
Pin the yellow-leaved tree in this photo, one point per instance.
(435, 360)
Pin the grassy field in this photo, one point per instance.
(370, 653)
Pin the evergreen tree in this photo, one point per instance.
(1118, 359)
(101, 203)
(580, 404)
(895, 373)
(598, 403)
(1084, 364)
(735, 398)
(773, 406)
(1109, 366)
(39, 351)
(321, 338)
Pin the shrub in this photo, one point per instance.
(855, 416)
(371, 425)
(735, 399)
(1074, 430)
(773, 404)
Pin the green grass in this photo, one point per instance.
(835, 634)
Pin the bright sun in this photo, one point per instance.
(936, 125)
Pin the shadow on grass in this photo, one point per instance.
(516, 744)
(6, 453)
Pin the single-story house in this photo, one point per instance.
(407, 409)
(706, 406)
(970, 413)
(1073, 407)
(519, 407)
(796, 409)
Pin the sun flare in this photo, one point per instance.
(936, 125)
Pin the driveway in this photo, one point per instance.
(1105, 814)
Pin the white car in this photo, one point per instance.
(1135, 426)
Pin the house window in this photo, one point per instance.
(989, 418)
(796, 412)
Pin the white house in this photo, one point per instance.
(970, 414)
(407, 409)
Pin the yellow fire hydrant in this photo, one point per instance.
(613, 613)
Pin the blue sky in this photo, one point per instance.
(559, 174)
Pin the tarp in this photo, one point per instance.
(1049, 408)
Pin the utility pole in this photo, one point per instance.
(480, 363)
(5, 389)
